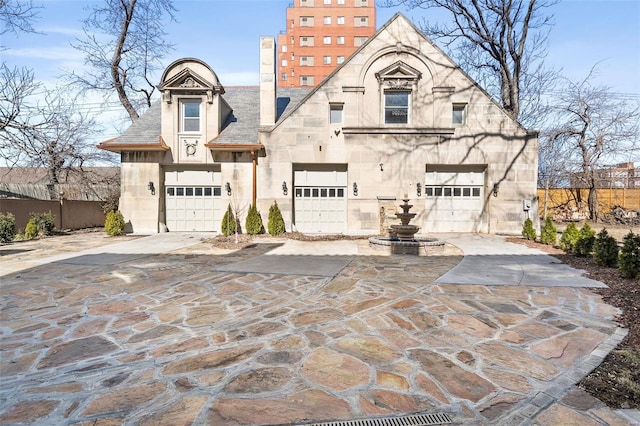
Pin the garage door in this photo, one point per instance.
(193, 208)
(453, 201)
(320, 201)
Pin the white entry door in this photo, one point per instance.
(320, 201)
(454, 201)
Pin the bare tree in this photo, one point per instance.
(591, 128)
(501, 43)
(17, 16)
(41, 128)
(124, 44)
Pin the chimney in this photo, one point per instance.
(267, 81)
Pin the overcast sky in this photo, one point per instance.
(225, 34)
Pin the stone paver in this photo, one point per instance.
(184, 337)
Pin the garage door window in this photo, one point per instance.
(452, 191)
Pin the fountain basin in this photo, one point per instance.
(416, 247)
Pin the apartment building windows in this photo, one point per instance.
(340, 20)
(284, 76)
(284, 48)
(360, 21)
(340, 40)
(361, 3)
(306, 21)
(340, 2)
(359, 41)
(306, 80)
(306, 3)
(285, 62)
(306, 61)
(326, 40)
(327, 20)
(306, 41)
(340, 59)
(327, 1)
(326, 60)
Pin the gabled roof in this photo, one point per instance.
(396, 68)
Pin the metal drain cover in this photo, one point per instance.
(410, 420)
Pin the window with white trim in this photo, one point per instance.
(326, 39)
(396, 106)
(340, 20)
(360, 21)
(459, 114)
(340, 40)
(284, 62)
(284, 48)
(327, 1)
(190, 110)
(327, 20)
(284, 76)
(306, 80)
(326, 60)
(306, 61)
(340, 59)
(306, 41)
(306, 21)
(340, 2)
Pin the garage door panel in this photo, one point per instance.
(195, 208)
(320, 209)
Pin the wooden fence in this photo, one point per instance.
(69, 214)
(571, 204)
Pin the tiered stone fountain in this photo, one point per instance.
(402, 237)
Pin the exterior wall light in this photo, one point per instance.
(285, 190)
(355, 189)
(418, 189)
(381, 167)
(151, 188)
(496, 188)
(227, 187)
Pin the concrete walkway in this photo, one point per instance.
(291, 332)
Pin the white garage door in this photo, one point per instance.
(320, 201)
(193, 208)
(453, 201)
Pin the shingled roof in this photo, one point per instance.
(241, 127)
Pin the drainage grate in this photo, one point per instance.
(411, 420)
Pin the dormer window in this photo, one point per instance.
(190, 115)
(398, 84)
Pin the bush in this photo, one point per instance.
(275, 223)
(605, 249)
(44, 222)
(31, 230)
(549, 233)
(528, 231)
(229, 223)
(569, 238)
(7, 227)
(114, 223)
(629, 259)
(253, 223)
(586, 239)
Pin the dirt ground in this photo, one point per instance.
(616, 381)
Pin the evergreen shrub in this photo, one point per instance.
(114, 223)
(528, 231)
(569, 238)
(229, 223)
(549, 233)
(605, 249)
(586, 239)
(275, 224)
(44, 222)
(31, 230)
(629, 259)
(253, 223)
(7, 227)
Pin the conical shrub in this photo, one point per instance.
(275, 224)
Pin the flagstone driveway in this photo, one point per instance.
(186, 337)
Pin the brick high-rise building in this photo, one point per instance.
(320, 35)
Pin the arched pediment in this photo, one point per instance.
(182, 78)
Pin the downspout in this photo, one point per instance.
(254, 160)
